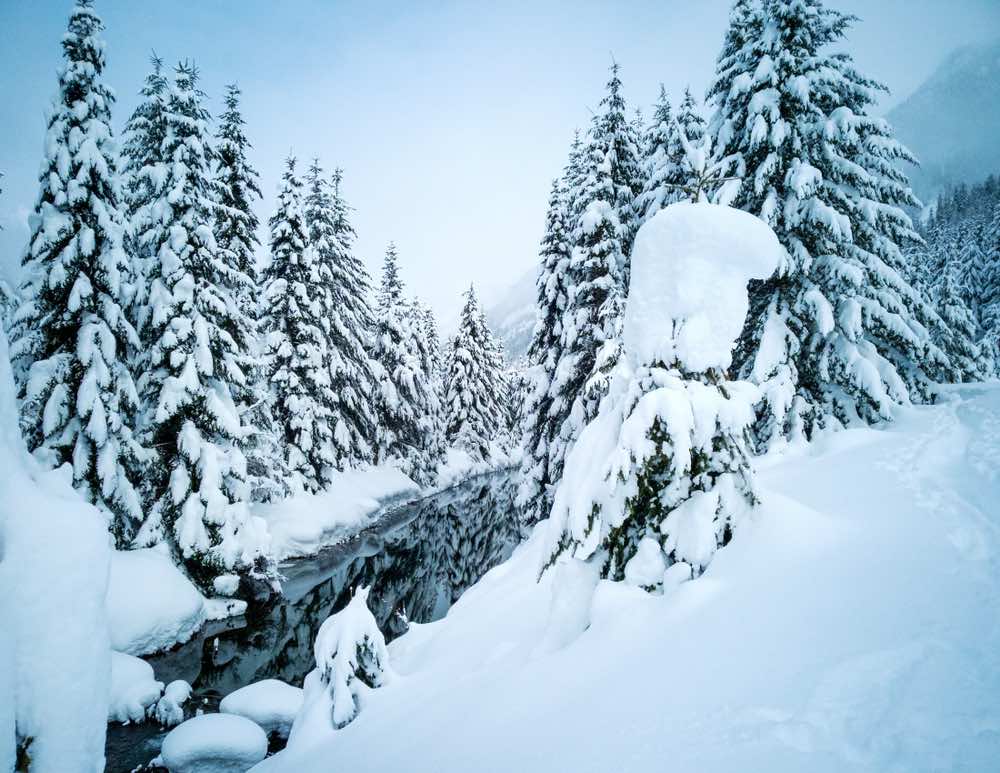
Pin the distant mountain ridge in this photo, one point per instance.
(952, 121)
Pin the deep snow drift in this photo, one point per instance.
(54, 650)
(853, 625)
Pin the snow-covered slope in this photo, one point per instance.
(513, 316)
(854, 626)
(952, 121)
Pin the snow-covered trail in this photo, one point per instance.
(853, 626)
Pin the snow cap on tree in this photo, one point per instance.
(661, 476)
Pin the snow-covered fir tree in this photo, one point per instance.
(473, 412)
(657, 190)
(837, 334)
(431, 335)
(196, 367)
(661, 478)
(342, 292)
(142, 170)
(236, 190)
(71, 336)
(541, 424)
(989, 295)
(351, 658)
(428, 347)
(404, 391)
(604, 184)
(296, 356)
(495, 376)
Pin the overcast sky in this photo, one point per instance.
(449, 118)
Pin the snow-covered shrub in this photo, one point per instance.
(351, 658)
(665, 464)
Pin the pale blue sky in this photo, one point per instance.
(449, 118)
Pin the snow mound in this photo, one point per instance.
(270, 703)
(214, 743)
(54, 661)
(142, 622)
(304, 524)
(690, 268)
(133, 688)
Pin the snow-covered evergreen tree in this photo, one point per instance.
(604, 183)
(430, 330)
(432, 409)
(404, 390)
(342, 291)
(837, 334)
(658, 174)
(296, 357)
(71, 336)
(471, 409)
(236, 189)
(989, 301)
(196, 367)
(661, 478)
(351, 658)
(541, 425)
(142, 170)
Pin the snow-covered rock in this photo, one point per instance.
(214, 743)
(270, 703)
(142, 621)
(133, 688)
(304, 524)
(690, 268)
(54, 652)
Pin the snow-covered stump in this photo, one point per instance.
(351, 658)
(661, 478)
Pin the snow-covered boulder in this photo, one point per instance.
(687, 296)
(270, 703)
(142, 622)
(133, 688)
(214, 743)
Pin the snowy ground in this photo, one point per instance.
(853, 625)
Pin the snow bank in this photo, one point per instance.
(691, 263)
(304, 524)
(151, 604)
(213, 743)
(133, 688)
(55, 666)
(270, 703)
(852, 627)
(459, 464)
